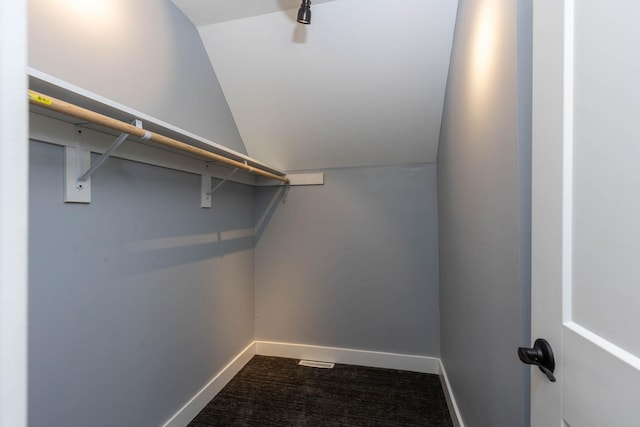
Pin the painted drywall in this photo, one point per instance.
(484, 223)
(362, 85)
(145, 54)
(352, 263)
(136, 300)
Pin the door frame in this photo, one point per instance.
(14, 163)
(552, 21)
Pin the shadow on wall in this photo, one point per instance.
(267, 202)
(152, 255)
(130, 227)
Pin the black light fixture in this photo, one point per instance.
(304, 13)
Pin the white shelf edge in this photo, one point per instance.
(52, 131)
(73, 90)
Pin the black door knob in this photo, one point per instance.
(540, 355)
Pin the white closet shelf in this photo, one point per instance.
(61, 100)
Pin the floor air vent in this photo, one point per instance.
(315, 364)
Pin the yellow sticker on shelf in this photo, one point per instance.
(40, 99)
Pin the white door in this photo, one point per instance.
(586, 211)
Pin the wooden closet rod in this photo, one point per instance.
(59, 106)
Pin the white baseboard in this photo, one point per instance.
(375, 359)
(209, 391)
(456, 417)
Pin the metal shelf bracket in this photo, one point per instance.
(225, 179)
(78, 167)
(206, 192)
(123, 136)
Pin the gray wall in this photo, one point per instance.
(136, 300)
(352, 263)
(483, 197)
(144, 54)
(131, 313)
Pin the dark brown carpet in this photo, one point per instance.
(271, 391)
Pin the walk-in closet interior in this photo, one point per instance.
(212, 180)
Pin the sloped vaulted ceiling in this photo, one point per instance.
(362, 85)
